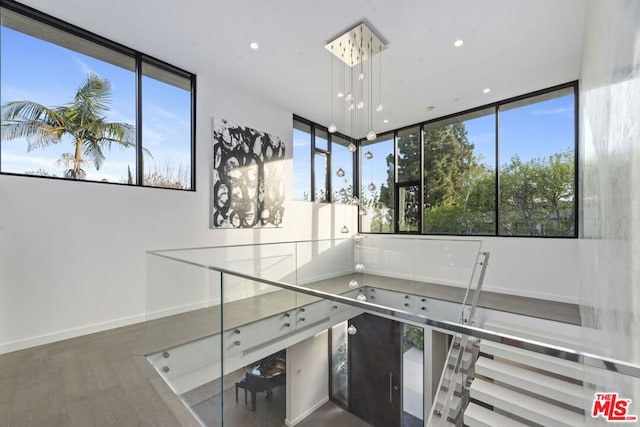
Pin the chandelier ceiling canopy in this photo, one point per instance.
(358, 77)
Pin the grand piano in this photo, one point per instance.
(264, 376)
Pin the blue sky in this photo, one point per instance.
(50, 75)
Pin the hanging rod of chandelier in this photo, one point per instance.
(354, 79)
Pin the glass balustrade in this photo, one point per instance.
(385, 330)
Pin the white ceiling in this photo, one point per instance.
(511, 46)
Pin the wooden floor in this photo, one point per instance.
(101, 379)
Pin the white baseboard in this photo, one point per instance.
(69, 333)
(306, 413)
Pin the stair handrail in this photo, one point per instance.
(462, 340)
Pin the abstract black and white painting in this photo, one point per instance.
(248, 177)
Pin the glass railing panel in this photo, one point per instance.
(273, 261)
(320, 261)
(183, 304)
(447, 262)
(274, 351)
(420, 275)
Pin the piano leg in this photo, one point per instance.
(253, 402)
(242, 384)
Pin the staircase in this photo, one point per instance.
(515, 387)
(494, 385)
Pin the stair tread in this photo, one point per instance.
(532, 334)
(535, 382)
(524, 406)
(541, 361)
(479, 416)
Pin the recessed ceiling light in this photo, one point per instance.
(253, 45)
(458, 43)
(486, 90)
(385, 121)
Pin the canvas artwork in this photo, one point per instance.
(248, 177)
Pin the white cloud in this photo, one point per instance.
(17, 163)
(85, 69)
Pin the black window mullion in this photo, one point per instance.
(396, 218)
(139, 151)
(312, 153)
(329, 171)
(355, 159)
(421, 185)
(497, 172)
(576, 189)
(193, 132)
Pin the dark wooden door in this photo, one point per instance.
(375, 367)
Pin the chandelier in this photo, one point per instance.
(354, 81)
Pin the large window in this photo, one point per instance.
(506, 169)
(537, 165)
(459, 174)
(80, 107)
(323, 165)
(377, 178)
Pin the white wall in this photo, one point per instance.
(72, 254)
(307, 377)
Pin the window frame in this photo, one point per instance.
(314, 150)
(574, 85)
(139, 59)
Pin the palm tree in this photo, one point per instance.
(84, 120)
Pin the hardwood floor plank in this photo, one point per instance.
(30, 406)
(129, 373)
(75, 375)
(80, 414)
(101, 370)
(5, 414)
(111, 407)
(150, 407)
(58, 415)
(7, 389)
(32, 369)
